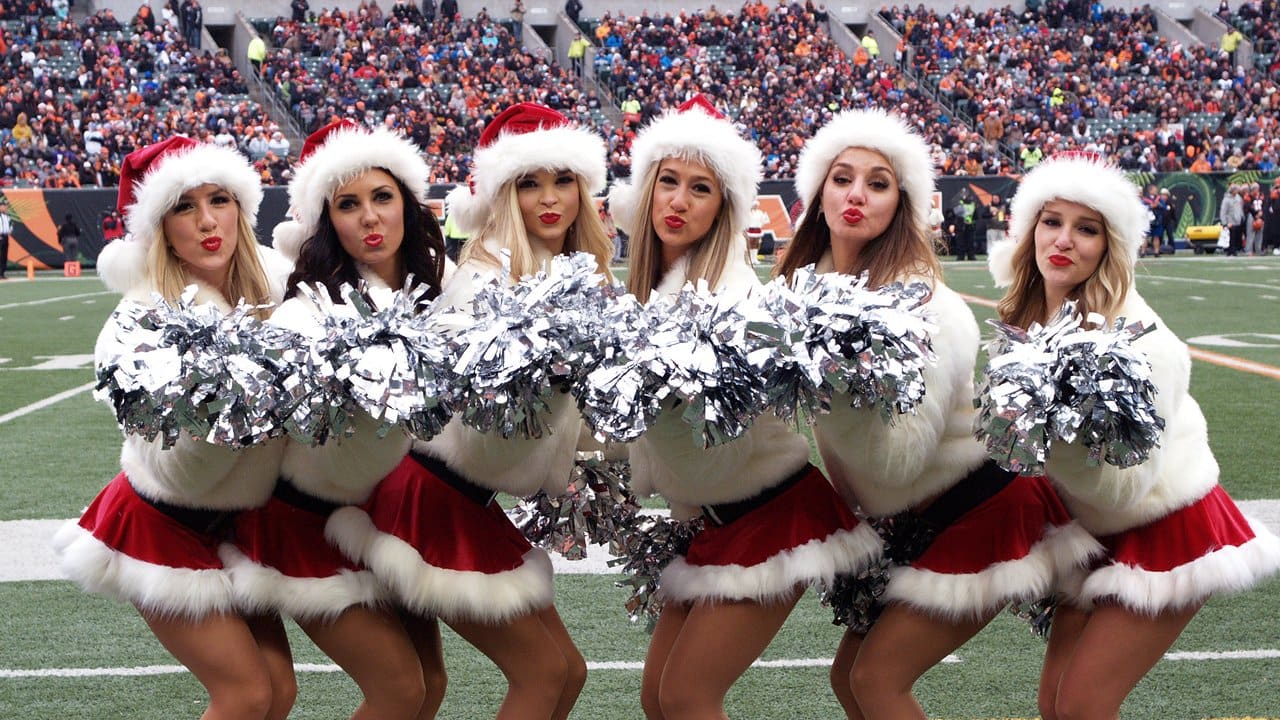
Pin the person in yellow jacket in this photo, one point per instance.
(257, 53)
(454, 237)
(578, 52)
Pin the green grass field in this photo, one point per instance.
(65, 655)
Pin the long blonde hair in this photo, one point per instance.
(904, 249)
(246, 277)
(707, 258)
(1103, 292)
(506, 224)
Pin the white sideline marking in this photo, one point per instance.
(41, 404)
(1197, 298)
(1202, 281)
(46, 301)
(624, 665)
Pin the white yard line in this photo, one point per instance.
(46, 301)
(1202, 281)
(41, 404)
(624, 665)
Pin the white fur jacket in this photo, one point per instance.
(669, 461)
(343, 470)
(194, 473)
(885, 469)
(517, 466)
(1107, 499)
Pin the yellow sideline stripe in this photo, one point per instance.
(1227, 361)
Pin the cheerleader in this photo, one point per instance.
(773, 525)
(152, 536)
(357, 200)
(867, 180)
(433, 532)
(1172, 536)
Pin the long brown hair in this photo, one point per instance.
(904, 249)
(707, 258)
(1104, 291)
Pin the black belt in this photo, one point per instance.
(477, 494)
(724, 513)
(976, 488)
(288, 493)
(206, 522)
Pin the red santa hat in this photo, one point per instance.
(151, 181)
(333, 156)
(694, 131)
(525, 138)
(873, 129)
(1079, 177)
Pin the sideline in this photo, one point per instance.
(41, 404)
(60, 298)
(1227, 361)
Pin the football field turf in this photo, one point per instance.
(67, 655)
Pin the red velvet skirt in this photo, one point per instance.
(804, 535)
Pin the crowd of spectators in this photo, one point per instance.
(75, 98)
(435, 79)
(1070, 74)
(994, 91)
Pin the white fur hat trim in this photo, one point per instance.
(874, 129)
(1089, 181)
(122, 263)
(691, 135)
(512, 155)
(346, 153)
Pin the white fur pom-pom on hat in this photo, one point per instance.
(522, 139)
(151, 181)
(334, 155)
(873, 129)
(1079, 177)
(698, 132)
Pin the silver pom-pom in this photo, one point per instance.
(596, 509)
(385, 356)
(524, 339)
(1064, 382)
(179, 366)
(652, 542)
(826, 333)
(691, 345)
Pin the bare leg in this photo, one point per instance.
(526, 653)
(670, 620)
(224, 656)
(842, 673)
(718, 642)
(1064, 636)
(576, 676)
(268, 631)
(425, 634)
(374, 649)
(902, 645)
(1116, 650)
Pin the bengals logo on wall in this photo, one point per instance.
(35, 234)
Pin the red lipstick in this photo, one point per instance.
(373, 240)
(853, 216)
(675, 222)
(549, 218)
(211, 243)
(1060, 260)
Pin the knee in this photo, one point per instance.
(541, 679)
(406, 690)
(435, 682)
(686, 697)
(575, 672)
(841, 682)
(284, 693)
(868, 679)
(248, 700)
(649, 703)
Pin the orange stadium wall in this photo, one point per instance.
(37, 213)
